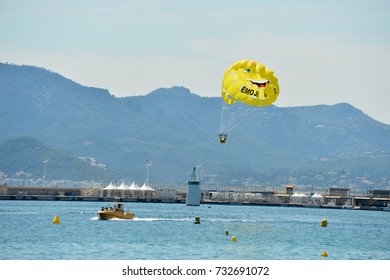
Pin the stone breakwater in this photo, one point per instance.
(268, 198)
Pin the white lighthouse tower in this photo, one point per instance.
(193, 191)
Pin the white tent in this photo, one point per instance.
(111, 186)
(123, 186)
(134, 186)
(146, 187)
(317, 197)
(299, 198)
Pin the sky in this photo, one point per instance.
(322, 52)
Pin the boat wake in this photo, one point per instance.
(151, 219)
(96, 218)
(161, 219)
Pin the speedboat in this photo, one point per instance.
(116, 212)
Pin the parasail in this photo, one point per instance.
(249, 82)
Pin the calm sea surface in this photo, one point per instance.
(167, 232)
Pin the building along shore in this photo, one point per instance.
(333, 197)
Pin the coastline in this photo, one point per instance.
(175, 201)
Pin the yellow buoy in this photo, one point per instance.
(197, 220)
(234, 239)
(324, 223)
(227, 232)
(324, 254)
(56, 220)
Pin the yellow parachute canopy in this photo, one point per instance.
(249, 82)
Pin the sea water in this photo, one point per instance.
(163, 231)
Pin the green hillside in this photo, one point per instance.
(177, 129)
(32, 158)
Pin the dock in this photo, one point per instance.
(331, 200)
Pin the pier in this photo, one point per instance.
(333, 198)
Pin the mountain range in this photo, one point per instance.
(175, 130)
